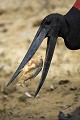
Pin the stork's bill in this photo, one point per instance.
(30, 70)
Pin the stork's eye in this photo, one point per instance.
(48, 22)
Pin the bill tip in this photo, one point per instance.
(8, 83)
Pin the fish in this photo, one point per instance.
(30, 70)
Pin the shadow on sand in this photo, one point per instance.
(75, 115)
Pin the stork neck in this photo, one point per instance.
(73, 21)
(77, 4)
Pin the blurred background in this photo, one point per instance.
(19, 22)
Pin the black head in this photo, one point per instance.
(51, 27)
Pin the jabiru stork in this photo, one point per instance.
(53, 26)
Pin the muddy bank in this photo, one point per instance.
(19, 21)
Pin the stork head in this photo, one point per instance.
(52, 26)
